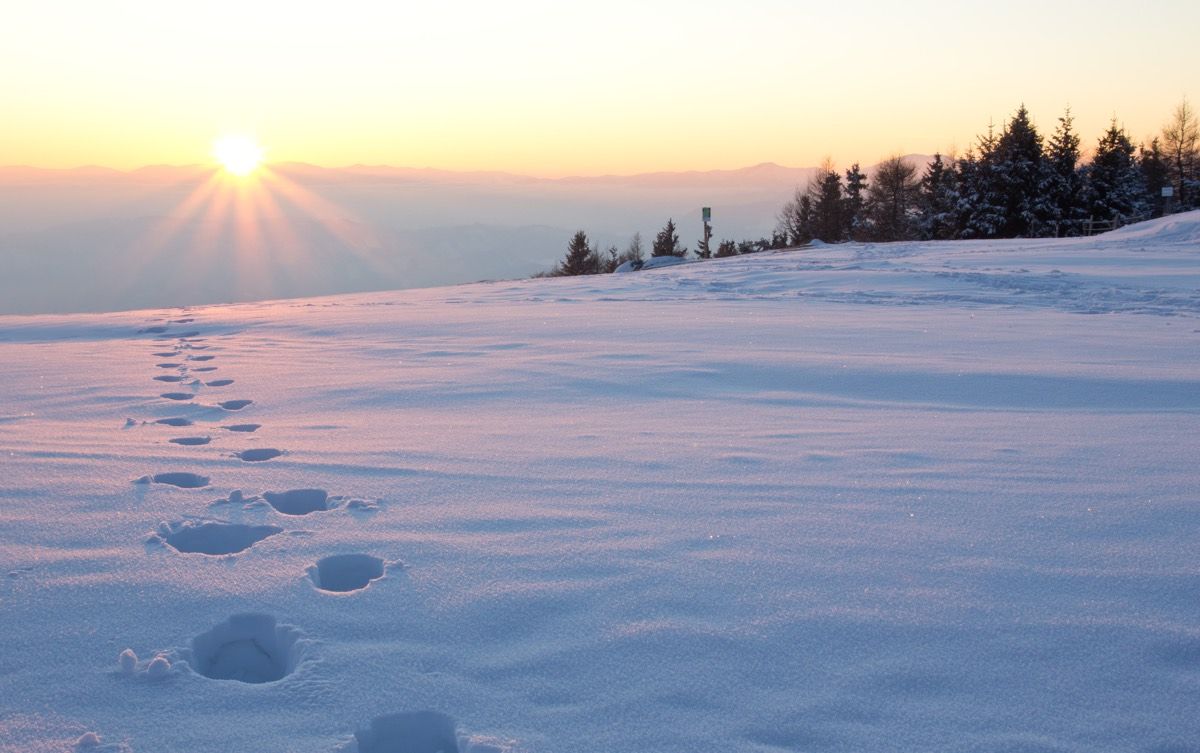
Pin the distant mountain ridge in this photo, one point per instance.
(762, 173)
(98, 239)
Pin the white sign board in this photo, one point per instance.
(1168, 192)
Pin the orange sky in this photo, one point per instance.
(550, 88)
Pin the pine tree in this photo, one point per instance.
(854, 204)
(825, 192)
(579, 259)
(1019, 176)
(666, 243)
(1113, 180)
(936, 198)
(1155, 175)
(611, 260)
(1181, 142)
(1063, 182)
(980, 209)
(891, 201)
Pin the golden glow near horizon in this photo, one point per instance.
(542, 87)
(238, 154)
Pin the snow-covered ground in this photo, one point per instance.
(905, 497)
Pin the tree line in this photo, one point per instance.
(1011, 184)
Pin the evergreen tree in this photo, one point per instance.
(666, 243)
(1063, 183)
(611, 260)
(825, 192)
(1113, 180)
(726, 248)
(980, 208)
(1155, 175)
(853, 206)
(1181, 142)
(579, 259)
(891, 202)
(936, 199)
(1019, 177)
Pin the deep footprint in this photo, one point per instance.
(235, 404)
(174, 421)
(157, 329)
(247, 648)
(168, 365)
(200, 358)
(298, 501)
(170, 378)
(215, 538)
(259, 454)
(219, 383)
(168, 354)
(177, 395)
(190, 441)
(342, 573)
(409, 732)
(180, 479)
(243, 427)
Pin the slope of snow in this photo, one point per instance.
(902, 497)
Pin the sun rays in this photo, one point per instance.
(252, 228)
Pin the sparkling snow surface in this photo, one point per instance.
(903, 497)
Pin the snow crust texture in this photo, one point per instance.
(901, 497)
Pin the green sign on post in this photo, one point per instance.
(706, 213)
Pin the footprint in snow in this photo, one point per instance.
(168, 365)
(206, 368)
(242, 427)
(344, 573)
(174, 421)
(190, 441)
(258, 454)
(180, 479)
(250, 648)
(235, 404)
(157, 329)
(416, 732)
(165, 354)
(219, 383)
(200, 358)
(213, 537)
(177, 395)
(300, 501)
(169, 378)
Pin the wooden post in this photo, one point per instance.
(706, 215)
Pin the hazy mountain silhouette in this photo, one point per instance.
(97, 239)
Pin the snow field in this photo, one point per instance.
(898, 497)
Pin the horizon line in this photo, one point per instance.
(205, 167)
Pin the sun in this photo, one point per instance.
(239, 155)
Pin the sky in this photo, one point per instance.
(549, 88)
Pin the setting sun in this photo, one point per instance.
(239, 155)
